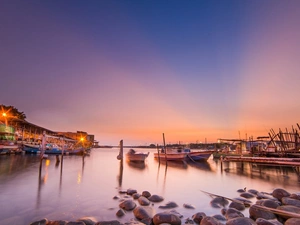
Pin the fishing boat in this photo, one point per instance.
(134, 156)
(171, 154)
(200, 155)
(32, 148)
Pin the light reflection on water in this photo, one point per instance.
(77, 186)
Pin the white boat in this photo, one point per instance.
(171, 154)
(134, 156)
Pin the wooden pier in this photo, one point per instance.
(264, 160)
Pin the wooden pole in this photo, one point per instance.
(120, 156)
(165, 149)
(158, 153)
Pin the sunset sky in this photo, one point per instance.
(132, 70)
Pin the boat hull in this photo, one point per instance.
(171, 156)
(137, 157)
(200, 155)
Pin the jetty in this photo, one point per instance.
(264, 160)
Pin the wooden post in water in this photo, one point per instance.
(158, 153)
(165, 149)
(42, 149)
(120, 156)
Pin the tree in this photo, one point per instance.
(12, 112)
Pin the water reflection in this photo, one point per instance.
(201, 165)
(137, 165)
(174, 164)
(120, 176)
(42, 180)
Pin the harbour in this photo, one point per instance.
(85, 186)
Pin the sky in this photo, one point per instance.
(132, 70)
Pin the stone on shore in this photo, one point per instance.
(143, 201)
(88, 220)
(255, 212)
(290, 201)
(156, 198)
(219, 202)
(136, 196)
(188, 206)
(247, 195)
(57, 222)
(110, 222)
(209, 220)
(40, 222)
(292, 221)
(75, 223)
(143, 212)
(198, 217)
(289, 208)
(279, 193)
(237, 205)
(169, 205)
(127, 205)
(146, 194)
(166, 217)
(241, 221)
(268, 203)
(261, 221)
(233, 213)
(120, 213)
(131, 191)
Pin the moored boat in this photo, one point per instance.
(200, 155)
(134, 156)
(171, 154)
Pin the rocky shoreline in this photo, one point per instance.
(277, 208)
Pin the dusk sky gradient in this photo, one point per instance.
(132, 70)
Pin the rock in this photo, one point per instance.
(88, 220)
(136, 196)
(261, 195)
(111, 222)
(169, 205)
(127, 205)
(165, 217)
(241, 190)
(289, 208)
(116, 197)
(233, 213)
(236, 205)
(292, 221)
(219, 217)
(58, 222)
(143, 212)
(120, 213)
(75, 223)
(156, 198)
(255, 212)
(208, 220)
(279, 193)
(290, 201)
(219, 202)
(133, 222)
(188, 206)
(253, 191)
(131, 191)
(198, 217)
(240, 221)
(295, 196)
(40, 222)
(247, 195)
(244, 200)
(261, 221)
(268, 203)
(143, 201)
(146, 194)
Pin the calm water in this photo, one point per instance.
(86, 187)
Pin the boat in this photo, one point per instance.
(32, 148)
(200, 155)
(134, 156)
(171, 154)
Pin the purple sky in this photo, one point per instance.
(133, 70)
